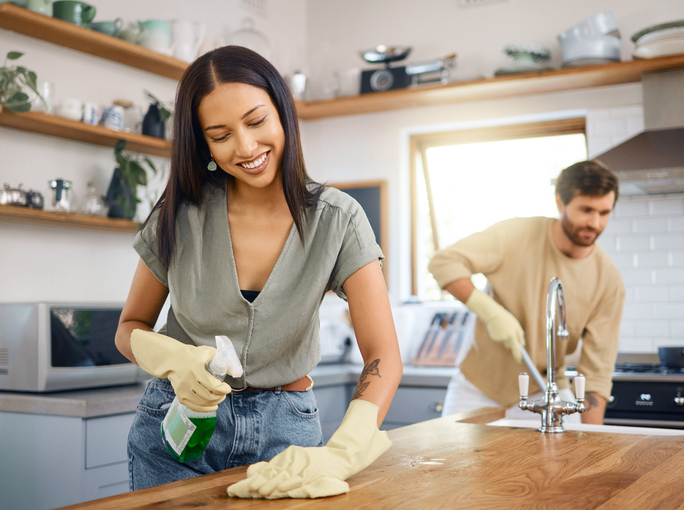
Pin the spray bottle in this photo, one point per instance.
(186, 432)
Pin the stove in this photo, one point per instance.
(646, 394)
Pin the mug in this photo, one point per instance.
(91, 114)
(78, 13)
(108, 27)
(112, 117)
(157, 36)
(41, 6)
(71, 109)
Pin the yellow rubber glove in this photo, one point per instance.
(183, 365)
(502, 325)
(317, 472)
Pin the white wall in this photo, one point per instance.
(50, 263)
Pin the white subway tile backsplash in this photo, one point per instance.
(677, 329)
(668, 311)
(623, 260)
(645, 239)
(626, 208)
(637, 276)
(668, 242)
(637, 311)
(650, 225)
(634, 345)
(676, 224)
(653, 328)
(630, 294)
(667, 342)
(632, 243)
(616, 226)
(668, 276)
(676, 293)
(652, 259)
(651, 293)
(666, 206)
(608, 242)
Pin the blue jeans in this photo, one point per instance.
(251, 426)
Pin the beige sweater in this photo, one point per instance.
(519, 258)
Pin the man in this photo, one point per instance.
(519, 257)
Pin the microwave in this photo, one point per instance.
(48, 347)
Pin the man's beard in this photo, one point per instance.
(573, 233)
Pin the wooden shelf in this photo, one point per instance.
(63, 33)
(74, 220)
(490, 88)
(89, 41)
(54, 125)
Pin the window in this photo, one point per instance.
(464, 181)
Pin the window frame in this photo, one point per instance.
(420, 143)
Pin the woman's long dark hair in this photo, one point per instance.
(190, 153)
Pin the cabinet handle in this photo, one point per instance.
(437, 407)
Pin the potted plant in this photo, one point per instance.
(122, 194)
(155, 119)
(13, 79)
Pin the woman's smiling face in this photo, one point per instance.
(243, 131)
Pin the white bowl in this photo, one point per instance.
(598, 25)
(605, 47)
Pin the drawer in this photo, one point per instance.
(413, 405)
(332, 402)
(106, 439)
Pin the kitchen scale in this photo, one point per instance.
(399, 77)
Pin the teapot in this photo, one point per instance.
(13, 196)
(132, 33)
(157, 36)
(187, 37)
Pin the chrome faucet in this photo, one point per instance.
(552, 408)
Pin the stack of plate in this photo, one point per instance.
(659, 40)
(593, 41)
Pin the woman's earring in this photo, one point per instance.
(212, 165)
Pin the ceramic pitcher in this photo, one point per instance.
(41, 6)
(157, 35)
(187, 37)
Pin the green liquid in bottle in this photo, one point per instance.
(197, 442)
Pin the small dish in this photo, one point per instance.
(385, 54)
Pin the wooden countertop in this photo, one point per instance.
(448, 463)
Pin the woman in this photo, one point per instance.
(246, 245)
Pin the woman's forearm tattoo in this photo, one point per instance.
(371, 368)
(590, 401)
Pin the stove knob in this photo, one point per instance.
(679, 401)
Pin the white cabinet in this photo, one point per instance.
(53, 461)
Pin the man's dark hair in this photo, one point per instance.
(591, 178)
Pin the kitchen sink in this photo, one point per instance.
(587, 427)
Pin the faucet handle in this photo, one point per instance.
(524, 384)
(579, 387)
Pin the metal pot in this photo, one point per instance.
(34, 200)
(671, 357)
(13, 196)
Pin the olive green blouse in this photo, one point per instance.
(277, 335)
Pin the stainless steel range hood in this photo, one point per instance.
(652, 162)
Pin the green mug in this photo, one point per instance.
(78, 13)
(108, 27)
